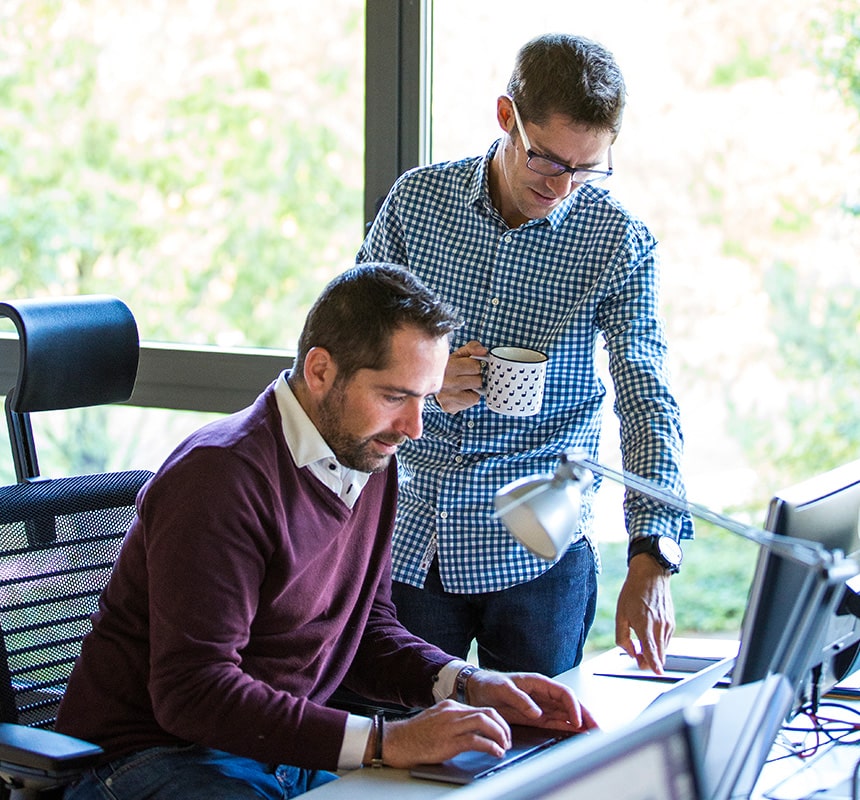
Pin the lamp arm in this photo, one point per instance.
(798, 550)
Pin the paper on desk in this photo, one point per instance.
(684, 657)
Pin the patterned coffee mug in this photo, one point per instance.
(513, 380)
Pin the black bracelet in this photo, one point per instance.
(378, 725)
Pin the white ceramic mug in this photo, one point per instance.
(514, 379)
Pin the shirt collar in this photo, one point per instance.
(309, 449)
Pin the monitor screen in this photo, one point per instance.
(826, 510)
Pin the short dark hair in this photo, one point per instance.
(559, 73)
(357, 313)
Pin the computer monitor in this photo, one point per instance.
(824, 509)
(656, 757)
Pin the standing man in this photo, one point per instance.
(257, 579)
(535, 253)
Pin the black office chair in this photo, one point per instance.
(59, 537)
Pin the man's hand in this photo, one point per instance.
(645, 607)
(527, 698)
(497, 699)
(462, 379)
(441, 732)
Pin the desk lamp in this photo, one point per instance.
(542, 512)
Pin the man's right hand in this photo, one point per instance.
(462, 378)
(441, 732)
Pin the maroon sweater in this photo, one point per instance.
(243, 596)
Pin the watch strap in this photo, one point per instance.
(460, 682)
(651, 546)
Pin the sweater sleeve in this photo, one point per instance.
(388, 649)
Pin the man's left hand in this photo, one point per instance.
(527, 698)
(645, 607)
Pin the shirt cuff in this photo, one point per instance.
(355, 739)
(443, 686)
(358, 728)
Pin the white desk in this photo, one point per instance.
(613, 701)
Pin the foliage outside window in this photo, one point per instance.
(202, 160)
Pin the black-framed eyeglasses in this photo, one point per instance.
(543, 165)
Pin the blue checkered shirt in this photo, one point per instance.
(554, 285)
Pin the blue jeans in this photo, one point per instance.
(193, 773)
(537, 626)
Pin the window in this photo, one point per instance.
(202, 160)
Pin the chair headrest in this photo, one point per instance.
(73, 352)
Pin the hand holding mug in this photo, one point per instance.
(514, 380)
(461, 387)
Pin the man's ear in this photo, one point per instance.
(505, 114)
(320, 370)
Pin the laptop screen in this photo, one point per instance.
(654, 758)
(661, 768)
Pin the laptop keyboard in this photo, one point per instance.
(518, 758)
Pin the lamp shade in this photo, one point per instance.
(542, 512)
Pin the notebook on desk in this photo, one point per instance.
(529, 742)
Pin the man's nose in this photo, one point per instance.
(561, 184)
(411, 423)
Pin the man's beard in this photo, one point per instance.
(351, 451)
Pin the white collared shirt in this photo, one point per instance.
(309, 449)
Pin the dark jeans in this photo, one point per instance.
(193, 773)
(537, 626)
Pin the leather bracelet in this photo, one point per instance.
(460, 682)
(378, 725)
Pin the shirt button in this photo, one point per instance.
(458, 459)
(443, 514)
(332, 467)
(495, 301)
(470, 423)
(508, 239)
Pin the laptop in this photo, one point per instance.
(684, 656)
(528, 742)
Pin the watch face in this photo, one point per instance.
(670, 550)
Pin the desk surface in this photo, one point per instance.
(613, 701)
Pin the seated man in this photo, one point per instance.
(257, 580)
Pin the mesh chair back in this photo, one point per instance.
(58, 543)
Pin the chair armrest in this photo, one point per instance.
(38, 752)
(345, 699)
